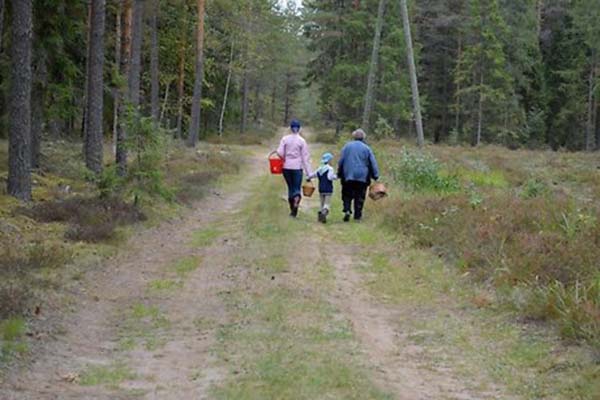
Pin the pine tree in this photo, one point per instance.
(485, 83)
(199, 77)
(19, 155)
(95, 90)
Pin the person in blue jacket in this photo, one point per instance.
(356, 168)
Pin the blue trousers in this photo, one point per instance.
(293, 178)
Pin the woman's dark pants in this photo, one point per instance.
(293, 178)
(354, 191)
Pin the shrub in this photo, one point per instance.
(418, 171)
(516, 241)
(327, 136)
(20, 268)
(534, 187)
(89, 219)
(383, 130)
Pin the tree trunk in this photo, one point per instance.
(19, 152)
(95, 90)
(589, 127)
(165, 102)
(181, 87)
(287, 102)
(369, 96)
(413, 74)
(244, 121)
(257, 102)
(539, 17)
(121, 154)
(116, 90)
(226, 94)
(154, 66)
(135, 68)
(199, 78)
(38, 92)
(87, 72)
(477, 139)
(458, 87)
(273, 101)
(597, 124)
(2, 7)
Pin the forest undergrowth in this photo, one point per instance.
(75, 220)
(523, 224)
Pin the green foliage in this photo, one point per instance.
(12, 331)
(529, 238)
(534, 187)
(383, 130)
(419, 171)
(111, 375)
(148, 143)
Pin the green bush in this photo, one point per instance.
(383, 130)
(420, 172)
(545, 244)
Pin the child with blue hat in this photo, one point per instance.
(326, 175)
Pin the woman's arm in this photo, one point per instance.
(281, 148)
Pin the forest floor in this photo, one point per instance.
(235, 300)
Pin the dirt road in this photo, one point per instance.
(238, 301)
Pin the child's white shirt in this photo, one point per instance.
(331, 175)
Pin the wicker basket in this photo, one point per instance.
(308, 189)
(377, 191)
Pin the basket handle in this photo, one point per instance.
(274, 152)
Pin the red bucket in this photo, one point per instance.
(275, 163)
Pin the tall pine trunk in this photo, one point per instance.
(135, 68)
(458, 72)
(121, 153)
(287, 102)
(38, 94)
(245, 88)
(19, 152)
(181, 84)
(95, 90)
(115, 90)
(154, 64)
(2, 7)
(369, 96)
(477, 138)
(413, 73)
(226, 94)
(589, 127)
(197, 99)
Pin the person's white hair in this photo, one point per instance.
(359, 134)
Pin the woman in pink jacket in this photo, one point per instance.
(294, 151)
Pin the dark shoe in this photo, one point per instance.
(346, 216)
(320, 217)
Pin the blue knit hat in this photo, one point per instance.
(295, 124)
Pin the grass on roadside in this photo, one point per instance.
(109, 375)
(143, 325)
(287, 340)
(462, 326)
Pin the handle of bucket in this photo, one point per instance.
(274, 152)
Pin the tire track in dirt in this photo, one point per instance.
(91, 333)
(394, 359)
